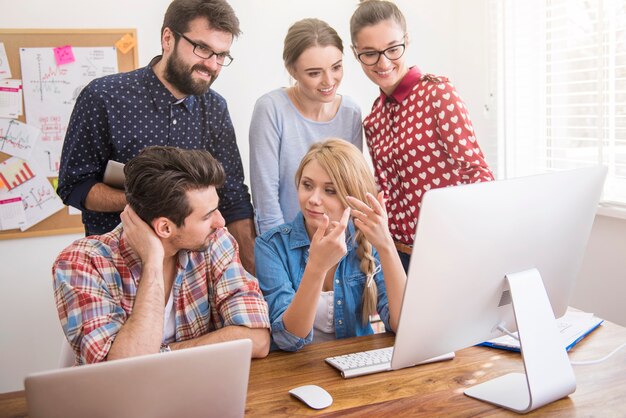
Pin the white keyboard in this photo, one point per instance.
(372, 361)
(363, 362)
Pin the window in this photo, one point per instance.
(563, 81)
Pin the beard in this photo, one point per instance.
(180, 76)
(181, 245)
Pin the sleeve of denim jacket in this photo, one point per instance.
(277, 287)
(383, 303)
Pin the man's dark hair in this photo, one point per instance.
(219, 14)
(158, 178)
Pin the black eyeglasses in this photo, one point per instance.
(372, 57)
(223, 58)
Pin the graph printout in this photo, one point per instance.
(17, 138)
(28, 182)
(50, 92)
(15, 172)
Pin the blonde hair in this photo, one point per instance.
(306, 33)
(372, 12)
(345, 165)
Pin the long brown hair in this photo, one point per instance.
(345, 165)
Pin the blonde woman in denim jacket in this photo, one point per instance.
(335, 264)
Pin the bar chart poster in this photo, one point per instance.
(15, 172)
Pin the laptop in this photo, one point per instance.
(207, 381)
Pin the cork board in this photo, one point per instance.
(127, 59)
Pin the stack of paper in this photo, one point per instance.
(574, 326)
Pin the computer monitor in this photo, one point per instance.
(502, 253)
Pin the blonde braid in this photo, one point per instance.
(370, 292)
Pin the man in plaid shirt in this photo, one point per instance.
(168, 277)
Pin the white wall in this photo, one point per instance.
(30, 333)
(601, 284)
(448, 38)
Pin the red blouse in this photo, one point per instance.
(421, 137)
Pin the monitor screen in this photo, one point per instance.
(472, 239)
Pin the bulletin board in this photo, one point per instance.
(14, 39)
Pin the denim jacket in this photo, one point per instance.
(281, 255)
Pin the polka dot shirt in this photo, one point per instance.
(421, 137)
(117, 116)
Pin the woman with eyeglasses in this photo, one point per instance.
(287, 121)
(419, 133)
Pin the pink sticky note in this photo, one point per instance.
(64, 55)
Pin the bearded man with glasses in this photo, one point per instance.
(168, 102)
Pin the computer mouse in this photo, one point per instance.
(313, 396)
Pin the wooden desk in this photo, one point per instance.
(428, 390)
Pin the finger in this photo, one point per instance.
(321, 229)
(340, 226)
(331, 227)
(357, 204)
(375, 203)
(126, 215)
(358, 214)
(130, 212)
(382, 201)
(359, 223)
(345, 217)
(381, 198)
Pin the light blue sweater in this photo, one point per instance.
(279, 138)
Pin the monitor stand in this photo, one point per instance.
(549, 375)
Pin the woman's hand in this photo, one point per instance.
(328, 244)
(372, 220)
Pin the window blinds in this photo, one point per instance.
(564, 79)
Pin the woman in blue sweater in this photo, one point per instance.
(287, 121)
(326, 272)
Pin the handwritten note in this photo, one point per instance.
(64, 55)
(17, 138)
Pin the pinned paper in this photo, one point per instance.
(64, 55)
(5, 69)
(126, 43)
(17, 138)
(10, 98)
(14, 172)
(26, 181)
(12, 214)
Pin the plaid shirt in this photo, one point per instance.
(96, 280)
